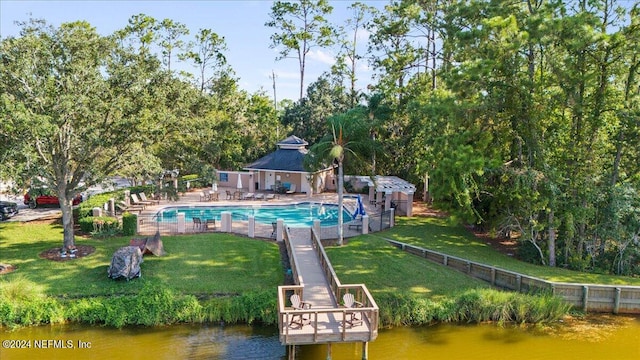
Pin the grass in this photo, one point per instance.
(386, 270)
(201, 274)
(206, 264)
(439, 235)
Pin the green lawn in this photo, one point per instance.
(385, 269)
(206, 264)
(210, 264)
(438, 235)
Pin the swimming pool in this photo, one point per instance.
(294, 215)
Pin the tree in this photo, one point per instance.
(347, 59)
(208, 55)
(58, 95)
(348, 138)
(302, 26)
(170, 39)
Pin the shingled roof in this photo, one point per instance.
(288, 157)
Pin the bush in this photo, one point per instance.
(97, 201)
(129, 224)
(23, 302)
(99, 225)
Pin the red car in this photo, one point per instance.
(39, 197)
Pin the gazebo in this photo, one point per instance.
(284, 169)
(387, 190)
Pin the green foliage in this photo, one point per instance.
(23, 303)
(129, 224)
(97, 201)
(472, 306)
(100, 226)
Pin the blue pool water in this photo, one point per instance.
(294, 215)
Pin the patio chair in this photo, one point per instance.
(229, 195)
(205, 196)
(352, 318)
(210, 224)
(143, 197)
(197, 224)
(297, 304)
(214, 196)
(292, 189)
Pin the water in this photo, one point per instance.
(294, 215)
(611, 338)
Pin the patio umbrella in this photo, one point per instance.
(239, 181)
(359, 208)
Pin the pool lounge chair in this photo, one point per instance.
(143, 197)
(122, 207)
(137, 201)
(248, 196)
(269, 197)
(259, 196)
(292, 189)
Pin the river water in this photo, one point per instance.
(607, 338)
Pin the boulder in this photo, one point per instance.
(125, 263)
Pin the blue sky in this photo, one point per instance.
(241, 22)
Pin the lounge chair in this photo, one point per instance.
(210, 224)
(292, 189)
(137, 201)
(259, 196)
(269, 197)
(123, 207)
(143, 197)
(248, 196)
(297, 304)
(352, 318)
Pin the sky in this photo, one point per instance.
(240, 22)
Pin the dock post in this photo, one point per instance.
(292, 352)
(329, 351)
(365, 350)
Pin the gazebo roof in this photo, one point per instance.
(281, 160)
(388, 184)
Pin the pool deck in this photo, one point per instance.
(193, 198)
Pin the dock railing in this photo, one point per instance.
(369, 311)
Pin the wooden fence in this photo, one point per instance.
(588, 297)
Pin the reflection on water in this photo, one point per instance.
(602, 340)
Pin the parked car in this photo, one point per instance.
(7, 209)
(44, 196)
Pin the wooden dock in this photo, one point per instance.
(318, 284)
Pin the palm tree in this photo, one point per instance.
(349, 136)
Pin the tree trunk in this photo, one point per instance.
(66, 205)
(340, 196)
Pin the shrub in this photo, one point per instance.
(99, 225)
(23, 302)
(129, 224)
